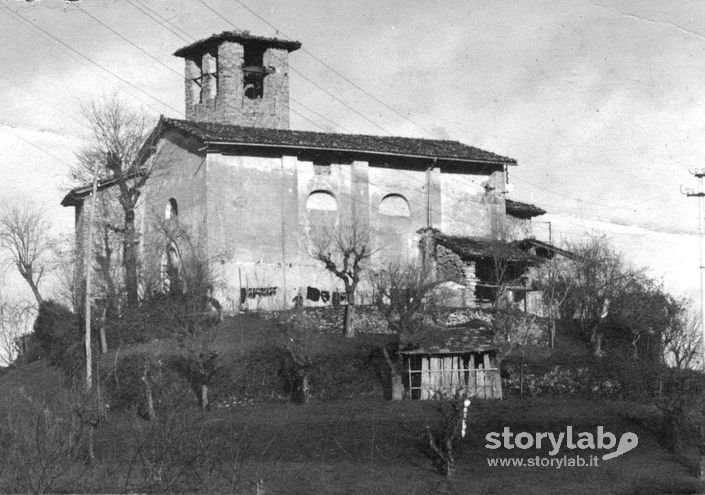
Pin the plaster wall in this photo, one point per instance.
(251, 216)
(518, 228)
(398, 238)
(473, 204)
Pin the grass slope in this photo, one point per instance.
(347, 440)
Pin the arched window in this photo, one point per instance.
(321, 200)
(394, 205)
(171, 210)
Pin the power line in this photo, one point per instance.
(86, 57)
(378, 100)
(602, 205)
(221, 16)
(170, 69)
(18, 136)
(126, 40)
(166, 24)
(334, 71)
(700, 193)
(279, 31)
(314, 83)
(318, 114)
(293, 99)
(43, 100)
(298, 72)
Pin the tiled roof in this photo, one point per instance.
(474, 248)
(243, 37)
(543, 249)
(480, 248)
(523, 210)
(472, 336)
(224, 134)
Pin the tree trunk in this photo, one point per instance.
(635, 350)
(103, 340)
(553, 332)
(130, 259)
(35, 289)
(597, 349)
(91, 442)
(395, 376)
(105, 262)
(305, 389)
(204, 397)
(150, 397)
(349, 326)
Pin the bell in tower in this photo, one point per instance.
(237, 78)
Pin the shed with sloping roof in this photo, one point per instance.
(445, 361)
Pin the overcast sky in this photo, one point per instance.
(601, 103)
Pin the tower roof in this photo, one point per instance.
(243, 37)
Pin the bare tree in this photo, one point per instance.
(116, 153)
(510, 325)
(599, 274)
(297, 336)
(24, 235)
(402, 293)
(683, 342)
(65, 258)
(15, 322)
(554, 280)
(105, 245)
(643, 309)
(344, 251)
(192, 309)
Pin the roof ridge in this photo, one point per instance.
(370, 143)
(374, 136)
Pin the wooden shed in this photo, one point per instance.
(445, 361)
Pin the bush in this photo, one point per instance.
(610, 377)
(41, 452)
(149, 322)
(55, 330)
(170, 455)
(126, 388)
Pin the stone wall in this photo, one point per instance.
(221, 97)
(329, 320)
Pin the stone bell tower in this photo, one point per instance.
(237, 78)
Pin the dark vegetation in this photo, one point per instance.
(350, 446)
(347, 439)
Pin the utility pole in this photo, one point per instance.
(88, 253)
(700, 193)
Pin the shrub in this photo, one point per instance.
(611, 377)
(41, 451)
(149, 322)
(55, 330)
(170, 455)
(126, 387)
(442, 441)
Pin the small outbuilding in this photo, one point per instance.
(448, 360)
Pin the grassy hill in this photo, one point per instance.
(349, 439)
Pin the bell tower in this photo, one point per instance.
(237, 78)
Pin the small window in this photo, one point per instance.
(171, 210)
(321, 200)
(394, 205)
(321, 169)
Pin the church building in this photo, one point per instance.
(249, 189)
